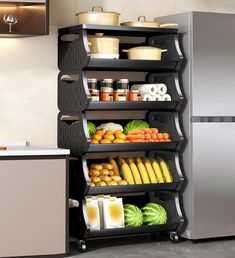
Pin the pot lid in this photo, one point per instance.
(146, 48)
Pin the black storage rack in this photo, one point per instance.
(74, 102)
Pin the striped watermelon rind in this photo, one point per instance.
(154, 214)
(133, 215)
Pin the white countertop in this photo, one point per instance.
(33, 151)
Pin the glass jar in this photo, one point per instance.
(92, 84)
(122, 84)
(119, 95)
(106, 95)
(134, 95)
(106, 84)
(95, 95)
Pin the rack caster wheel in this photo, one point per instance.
(82, 246)
(174, 237)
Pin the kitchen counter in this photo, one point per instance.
(33, 151)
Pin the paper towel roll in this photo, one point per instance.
(146, 88)
(161, 89)
(157, 97)
(146, 97)
(166, 97)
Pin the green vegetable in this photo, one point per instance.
(135, 124)
(154, 214)
(91, 128)
(133, 215)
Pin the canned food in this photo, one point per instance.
(119, 95)
(95, 95)
(106, 95)
(134, 95)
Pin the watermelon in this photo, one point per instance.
(135, 124)
(133, 215)
(91, 128)
(154, 214)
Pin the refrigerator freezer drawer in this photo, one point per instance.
(214, 180)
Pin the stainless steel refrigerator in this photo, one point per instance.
(208, 41)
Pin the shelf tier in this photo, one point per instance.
(132, 230)
(117, 30)
(74, 54)
(73, 133)
(170, 201)
(74, 95)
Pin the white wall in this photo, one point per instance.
(28, 71)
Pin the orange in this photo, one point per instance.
(118, 141)
(99, 132)
(109, 132)
(94, 141)
(105, 141)
(121, 136)
(109, 137)
(118, 132)
(97, 137)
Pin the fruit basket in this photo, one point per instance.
(73, 133)
(171, 159)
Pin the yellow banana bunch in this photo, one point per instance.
(127, 172)
(158, 171)
(143, 171)
(166, 172)
(152, 176)
(135, 171)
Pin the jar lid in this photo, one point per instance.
(123, 81)
(107, 90)
(108, 80)
(94, 91)
(120, 90)
(92, 80)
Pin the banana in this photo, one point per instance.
(157, 170)
(166, 172)
(135, 171)
(126, 172)
(152, 176)
(115, 166)
(143, 171)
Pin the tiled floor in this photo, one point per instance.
(144, 247)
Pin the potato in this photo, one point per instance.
(107, 166)
(104, 172)
(106, 178)
(101, 183)
(111, 183)
(116, 178)
(96, 166)
(95, 179)
(94, 172)
(123, 182)
(92, 184)
(111, 173)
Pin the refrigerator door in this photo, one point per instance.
(213, 180)
(213, 64)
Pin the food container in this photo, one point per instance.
(95, 95)
(113, 213)
(144, 53)
(99, 44)
(106, 84)
(106, 95)
(150, 24)
(120, 95)
(93, 214)
(92, 84)
(98, 17)
(134, 95)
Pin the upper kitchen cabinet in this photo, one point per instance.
(24, 18)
